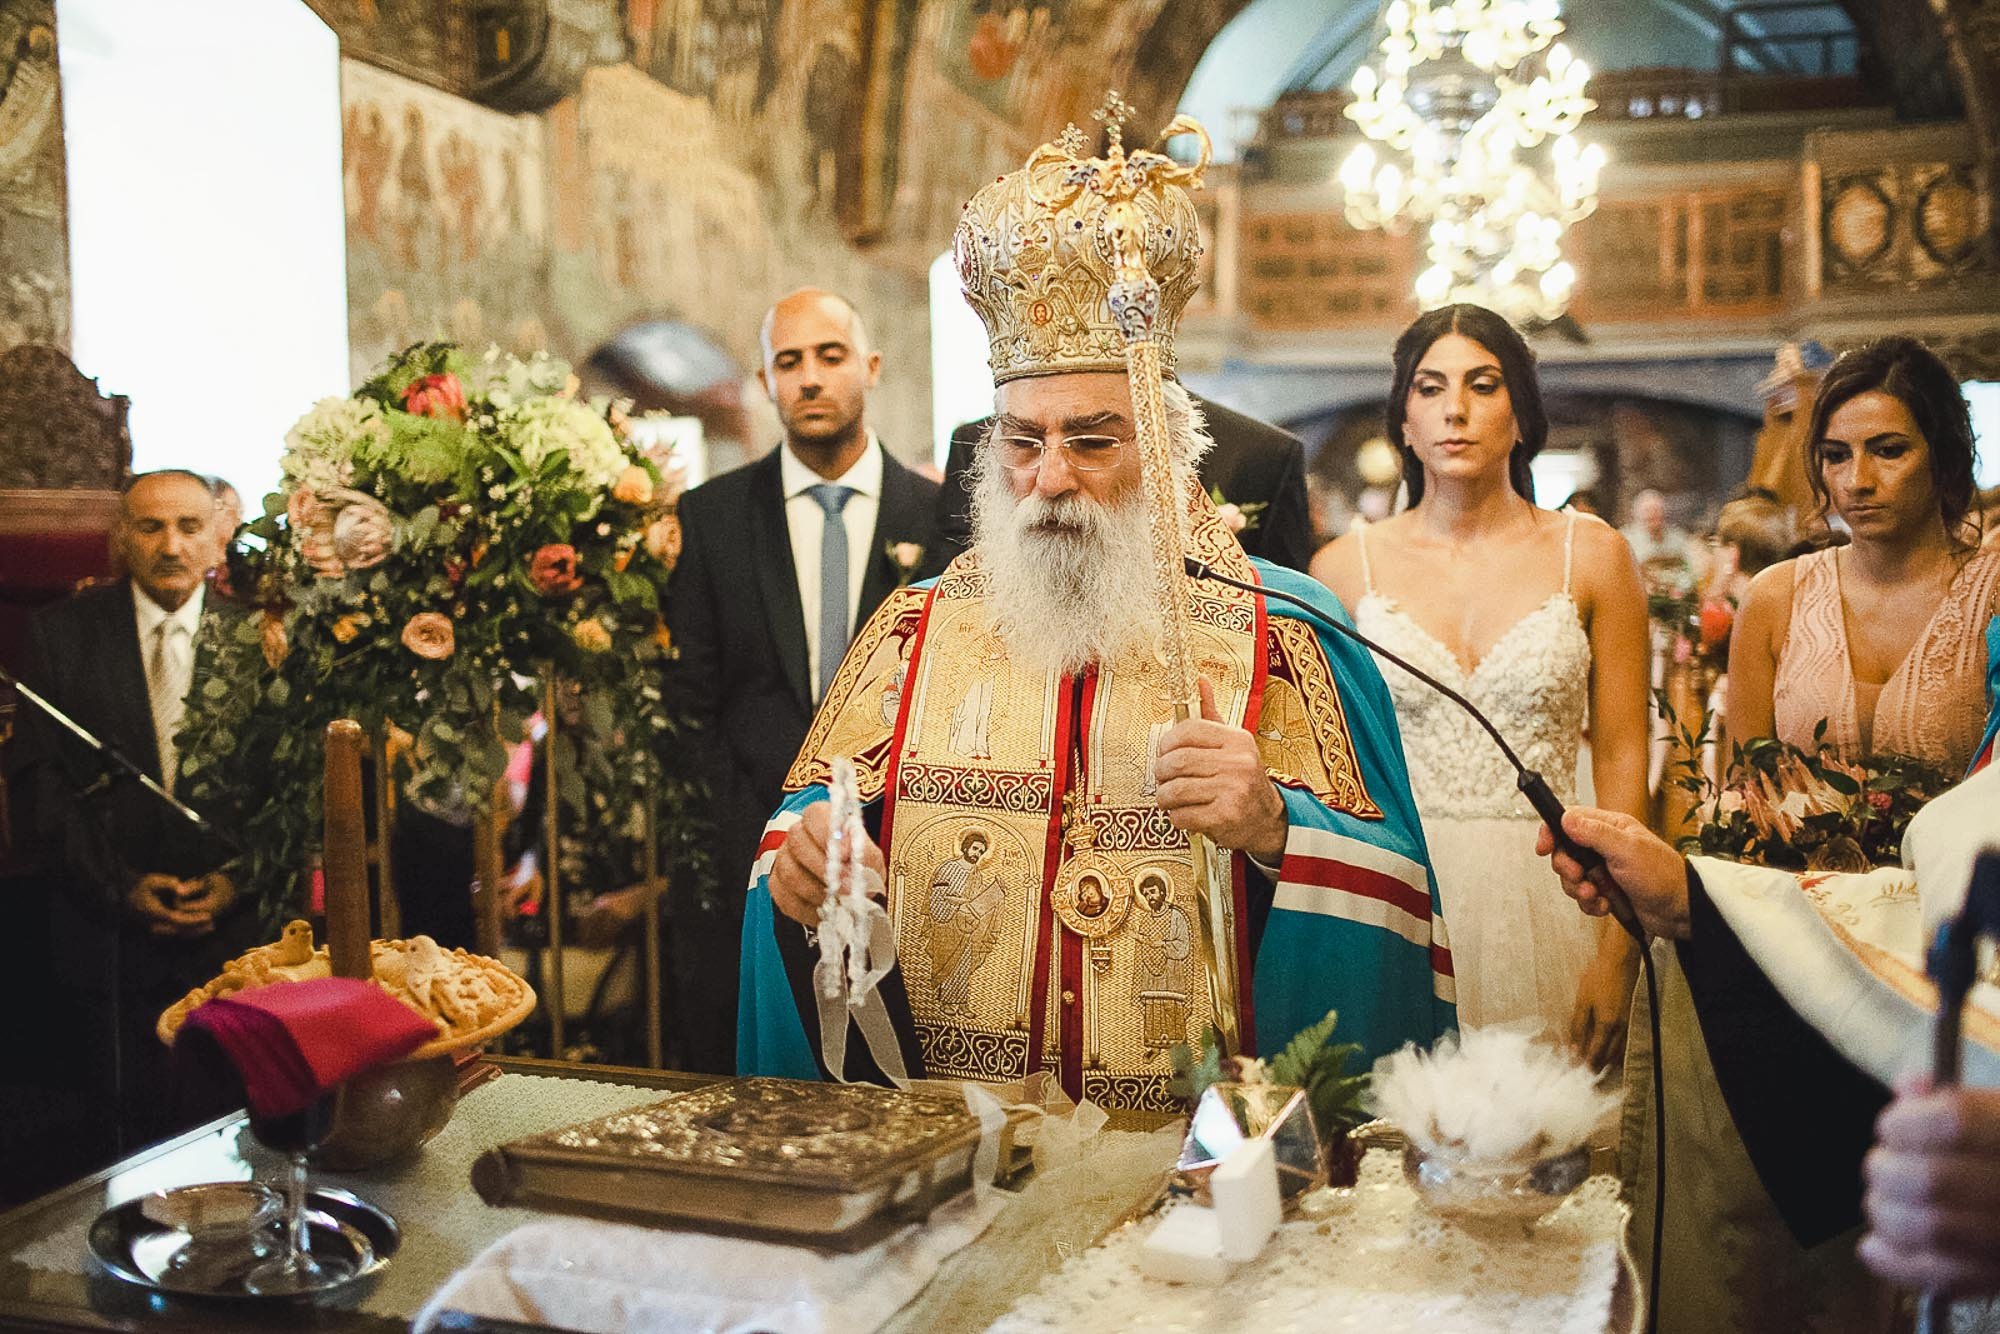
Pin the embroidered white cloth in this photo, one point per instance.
(1380, 1262)
(611, 1278)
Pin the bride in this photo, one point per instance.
(1538, 619)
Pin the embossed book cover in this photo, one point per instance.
(835, 1166)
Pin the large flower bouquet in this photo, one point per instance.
(1782, 806)
(447, 539)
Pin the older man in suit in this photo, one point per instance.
(781, 560)
(140, 911)
(1252, 463)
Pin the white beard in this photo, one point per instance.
(1072, 579)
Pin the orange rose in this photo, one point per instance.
(622, 559)
(591, 636)
(663, 637)
(347, 627)
(428, 635)
(633, 487)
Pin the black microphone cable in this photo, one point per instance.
(1550, 808)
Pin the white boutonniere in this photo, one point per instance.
(906, 556)
(1236, 518)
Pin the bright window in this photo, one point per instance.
(961, 383)
(207, 237)
(1983, 397)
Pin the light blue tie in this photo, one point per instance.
(832, 583)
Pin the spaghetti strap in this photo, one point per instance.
(1367, 576)
(1569, 546)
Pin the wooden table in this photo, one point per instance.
(88, 1299)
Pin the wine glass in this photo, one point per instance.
(295, 1268)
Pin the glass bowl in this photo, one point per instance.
(1514, 1191)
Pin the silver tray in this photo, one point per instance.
(339, 1226)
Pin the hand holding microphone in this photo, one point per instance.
(1631, 860)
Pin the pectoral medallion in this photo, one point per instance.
(1091, 896)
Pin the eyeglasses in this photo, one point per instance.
(1085, 453)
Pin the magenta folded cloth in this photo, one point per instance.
(291, 1042)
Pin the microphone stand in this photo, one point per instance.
(1550, 808)
(114, 765)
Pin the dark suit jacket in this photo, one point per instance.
(1253, 462)
(733, 607)
(85, 658)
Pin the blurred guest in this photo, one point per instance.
(141, 910)
(1664, 551)
(1463, 583)
(228, 518)
(781, 560)
(1752, 533)
(1884, 640)
(1583, 500)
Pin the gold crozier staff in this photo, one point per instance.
(1134, 297)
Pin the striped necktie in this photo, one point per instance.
(832, 583)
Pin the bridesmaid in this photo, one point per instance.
(1539, 619)
(1884, 639)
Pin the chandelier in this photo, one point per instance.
(1477, 104)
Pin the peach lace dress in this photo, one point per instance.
(1932, 708)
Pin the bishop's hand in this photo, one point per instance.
(1209, 778)
(798, 875)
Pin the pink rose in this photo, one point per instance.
(1879, 801)
(1232, 517)
(552, 570)
(436, 396)
(428, 635)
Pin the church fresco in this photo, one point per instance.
(446, 229)
(429, 40)
(34, 280)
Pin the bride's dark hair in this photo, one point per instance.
(1517, 368)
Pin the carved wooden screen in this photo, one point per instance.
(57, 431)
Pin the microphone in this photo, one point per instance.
(1533, 786)
(115, 765)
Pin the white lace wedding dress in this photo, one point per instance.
(1518, 945)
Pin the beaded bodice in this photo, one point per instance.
(1533, 683)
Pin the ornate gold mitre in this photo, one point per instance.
(1038, 251)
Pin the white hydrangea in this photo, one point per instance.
(506, 381)
(320, 447)
(539, 427)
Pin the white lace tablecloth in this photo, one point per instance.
(1377, 1261)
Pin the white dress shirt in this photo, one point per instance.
(807, 523)
(167, 697)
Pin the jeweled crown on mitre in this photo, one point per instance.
(1037, 256)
